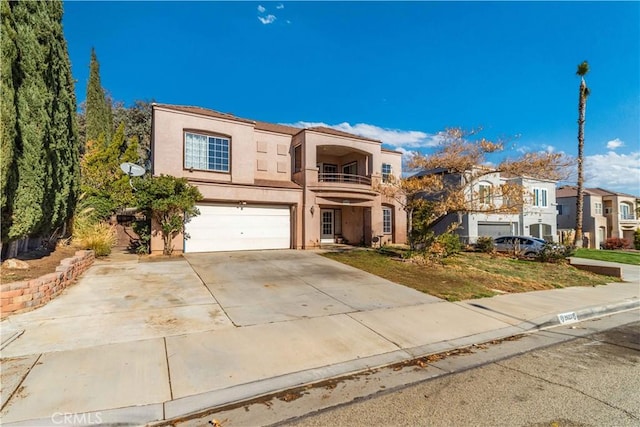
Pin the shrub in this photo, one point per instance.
(99, 236)
(171, 202)
(143, 229)
(552, 252)
(616, 243)
(636, 239)
(450, 242)
(485, 244)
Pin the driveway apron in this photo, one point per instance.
(272, 286)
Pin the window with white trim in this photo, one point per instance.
(625, 211)
(540, 197)
(204, 152)
(484, 194)
(387, 220)
(598, 208)
(386, 172)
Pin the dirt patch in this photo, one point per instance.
(40, 262)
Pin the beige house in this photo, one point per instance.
(269, 186)
(606, 214)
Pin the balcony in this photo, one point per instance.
(628, 218)
(344, 178)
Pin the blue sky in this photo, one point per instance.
(397, 71)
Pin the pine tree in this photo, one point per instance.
(98, 113)
(105, 185)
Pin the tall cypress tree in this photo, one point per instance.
(40, 171)
(98, 115)
(32, 96)
(8, 119)
(62, 147)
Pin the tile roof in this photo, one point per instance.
(389, 150)
(272, 127)
(571, 191)
(331, 131)
(276, 184)
(611, 193)
(265, 126)
(203, 112)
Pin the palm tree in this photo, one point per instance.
(583, 69)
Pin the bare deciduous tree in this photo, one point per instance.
(447, 179)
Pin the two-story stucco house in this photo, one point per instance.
(536, 217)
(269, 186)
(605, 214)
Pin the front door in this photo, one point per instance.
(327, 233)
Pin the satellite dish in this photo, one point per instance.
(132, 169)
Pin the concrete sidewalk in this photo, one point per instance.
(161, 374)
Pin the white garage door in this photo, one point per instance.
(235, 228)
(494, 229)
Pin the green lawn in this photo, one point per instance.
(624, 257)
(470, 275)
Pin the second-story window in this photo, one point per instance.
(484, 194)
(540, 197)
(625, 211)
(598, 208)
(297, 158)
(386, 172)
(206, 152)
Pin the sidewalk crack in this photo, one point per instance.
(13, 393)
(166, 355)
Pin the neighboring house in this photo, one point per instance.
(536, 217)
(269, 186)
(606, 214)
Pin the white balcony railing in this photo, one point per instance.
(344, 178)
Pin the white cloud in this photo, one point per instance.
(269, 19)
(544, 148)
(261, 8)
(614, 143)
(402, 140)
(280, 6)
(613, 171)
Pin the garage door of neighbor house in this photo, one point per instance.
(225, 227)
(494, 229)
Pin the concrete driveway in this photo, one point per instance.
(273, 286)
(120, 299)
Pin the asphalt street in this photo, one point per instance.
(590, 381)
(584, 374)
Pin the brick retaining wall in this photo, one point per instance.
(26, 295)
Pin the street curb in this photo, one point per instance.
(582, 314)
(339, 370)
(168, 412)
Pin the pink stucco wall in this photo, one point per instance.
(261, 172)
